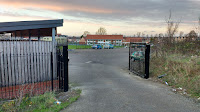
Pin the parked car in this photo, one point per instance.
(108, 46)
(138, 55)
(125, 46)
(96, 46)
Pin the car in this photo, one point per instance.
(96, 46)
(108, 46)
(138, 55)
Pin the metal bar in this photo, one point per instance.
(52, 71)
(66, 78)
(147, 57)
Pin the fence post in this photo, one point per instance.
(58, 67)
(65, 59)
(147, 58)
(52, 71)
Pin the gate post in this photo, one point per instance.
(65, 59)
(52, 71)
(147, 57)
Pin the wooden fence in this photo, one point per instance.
(23, 62)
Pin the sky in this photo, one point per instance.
(125, 17)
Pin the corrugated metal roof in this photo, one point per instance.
(25, 25)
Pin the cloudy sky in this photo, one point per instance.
(118, 16)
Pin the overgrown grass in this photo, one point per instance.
(79, 46)
(182, 67)
(41, 103)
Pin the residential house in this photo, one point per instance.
(104, 39)
(127, 40)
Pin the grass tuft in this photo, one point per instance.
(40, 103)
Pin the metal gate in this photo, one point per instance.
(62, 67)
(139, 54)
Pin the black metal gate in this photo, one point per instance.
(62, 67)
(139, 55)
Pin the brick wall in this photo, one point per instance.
(33, 88)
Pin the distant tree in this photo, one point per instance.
(192, 35)
(181, 34)
(161, 35)
(86, 33)
(138, 34)
(101, 31)
(143, 34)
(172, 27)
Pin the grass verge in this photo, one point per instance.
(182, 69)
(79, 46)
(41, 103)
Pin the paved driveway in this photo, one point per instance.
(107, 86)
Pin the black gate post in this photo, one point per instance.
(65, 59)
(52, 71)
(147, 57)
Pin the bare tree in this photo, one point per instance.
(181, 34)
(86, 33)
(143, 34)
(101, 31)
(172, 27)
(160, 35)
(138, 34)
(156, 35)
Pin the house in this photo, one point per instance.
(104, 39)
(58, 39)
(74, 39)
(127, 40)
(82, 41)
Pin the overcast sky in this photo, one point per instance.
(118, 16)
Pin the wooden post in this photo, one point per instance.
(21, 35)
(38, 34)
(53, 50)
(15, 35)
(29, 31)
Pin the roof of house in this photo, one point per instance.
(109, 37)
(25, 25)
(133, 39)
